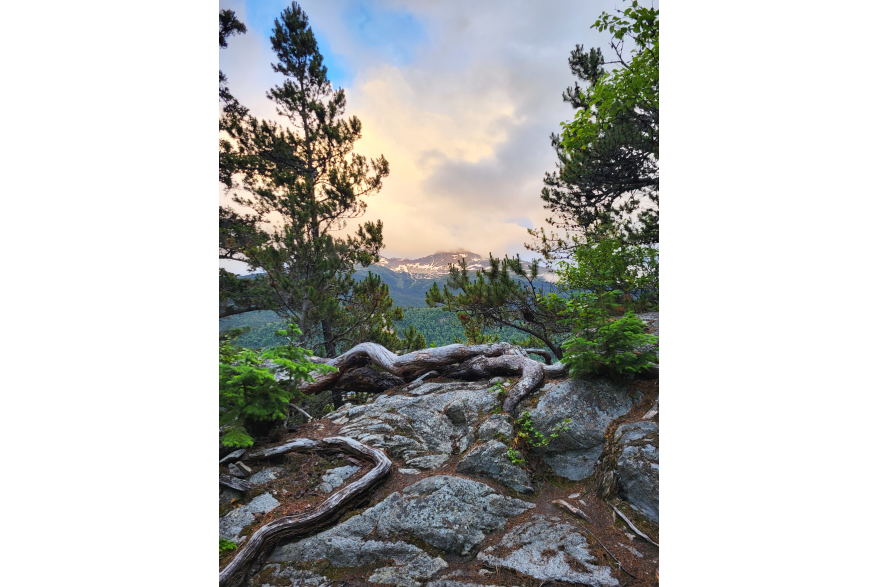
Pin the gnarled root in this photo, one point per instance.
(475, 361)
(266, 538)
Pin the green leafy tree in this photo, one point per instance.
(258, 387)
(504, 294)
(608, 154)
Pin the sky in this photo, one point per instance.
(460, 97)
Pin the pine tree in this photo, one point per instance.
(608, 155)
(305, 175)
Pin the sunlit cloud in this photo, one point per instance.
(459, 97)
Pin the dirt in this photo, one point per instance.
(605, 526)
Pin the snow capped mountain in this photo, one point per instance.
(434, 265)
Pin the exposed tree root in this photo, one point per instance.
(460, 361)
(632, 527)
(254, 552)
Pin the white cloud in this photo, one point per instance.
(465, 123)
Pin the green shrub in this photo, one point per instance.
(226, 546)
(258, 387)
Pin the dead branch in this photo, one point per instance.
(234, 483)
(632, 527)
(572, 509)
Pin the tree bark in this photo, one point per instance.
(254, 552)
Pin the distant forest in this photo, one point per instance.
(437, 326)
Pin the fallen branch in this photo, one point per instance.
(265, 539)
(308, 416)
(576, 511)
(634, 528)
(572, 509)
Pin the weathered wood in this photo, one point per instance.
(297, 445)
(572, 509)
(262, 542)
(404, 366)
(233, 483)
(368, 380)
(632, 527)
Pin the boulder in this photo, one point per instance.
(548, 550)
(591, 406)
(283, 575)
(266, 476)
(491, 460)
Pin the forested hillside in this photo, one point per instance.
(437, 326)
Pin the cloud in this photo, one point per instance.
(461, 99)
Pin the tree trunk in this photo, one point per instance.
(254, 552)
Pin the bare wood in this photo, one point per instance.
(263, 540)
(402, 366)
(572, 509)
(308, 416)
(297, 445)
(234, 482)
(368, 380)
(632, 527)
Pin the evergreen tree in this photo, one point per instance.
(608, 155)
(299, 183)
(505, 294)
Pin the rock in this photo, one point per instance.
(591, 405)
(231, 524)
(491, 460)
(336, 477)
(410, 471)
(452, 583)
(232, 456)
(627, 433)
(235, 472)
(429, 461)
(228, 495)
(266, 476)
(548, 550)
(349, 545)
(244, 468)
(451, 513)
(324, 487)
(637, 467)
(575, 495)
(288, 576)
(500, 424)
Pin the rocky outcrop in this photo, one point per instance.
(454, 497)
(491, 460)
(449, 513)
(548, 550)
(590, 406)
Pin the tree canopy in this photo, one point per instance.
(608, 154)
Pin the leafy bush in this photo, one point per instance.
(258, 387)
(528, 437)
(226, 546)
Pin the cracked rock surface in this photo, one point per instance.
(549, 550)
(451, 514)
(491, 460)
(637, 467)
